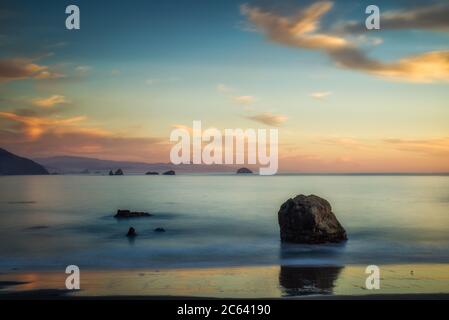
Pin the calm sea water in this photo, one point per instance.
(50, 222)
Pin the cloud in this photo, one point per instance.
(151, 82)
(50, 101)
(47, 136)
(302, 31)
(224, 88)
(320, 95)
(32, 127)
(244, 100)
(115, 72)
(435, 146)
(430, 17)
(16, 69)
(269, 119)
(83, 69)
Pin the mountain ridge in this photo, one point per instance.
(12, 164)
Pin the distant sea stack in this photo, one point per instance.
(119, 172)
(169, 173)
(309, 219)
(244, 171)
(10, 164)
(125, 214)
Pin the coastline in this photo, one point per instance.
(411, 281)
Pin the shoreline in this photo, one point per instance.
(417, 281)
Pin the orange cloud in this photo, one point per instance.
(435, 147)
(302, 31)
(47, 136)
(269, 119)
(16, 69)
(50, 101)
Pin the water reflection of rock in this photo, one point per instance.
(297, 281)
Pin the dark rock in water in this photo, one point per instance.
(111, 173)
(131, 214)
(131, 232)
(119, 172)
(169, 173)
(159, 230)
(309, 219)
(10, 164)
(38, 227)
(244, 171)
(152, 173)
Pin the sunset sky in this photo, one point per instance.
(343, 98)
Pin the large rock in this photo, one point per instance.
(309, 219)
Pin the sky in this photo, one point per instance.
(344, 98)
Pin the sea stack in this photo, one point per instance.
(244, 171)
(125, 214)
(309, 219)
(169, 173)
(119, 172)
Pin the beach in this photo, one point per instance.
(262, 282)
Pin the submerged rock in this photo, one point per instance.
(244, 170)
(152, 173)
(169, 173)
(309, 219)
(131, 214)
(131, 232)
(159, 230)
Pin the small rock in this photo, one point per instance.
(119, 172)
(131, 232)
(159, 230)
(244, 171)
(131, 214)
(152, 173)
(169, 173)
(111, 173)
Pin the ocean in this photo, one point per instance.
(49, 222)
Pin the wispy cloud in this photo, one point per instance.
(430, 17)
(244, 100)
(435, 146)
(223, 88)
(42, 135)
(50, 101)
(320, 95)
(268, 118)
(19, 68)
(302, 30)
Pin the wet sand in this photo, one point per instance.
(421, 281)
